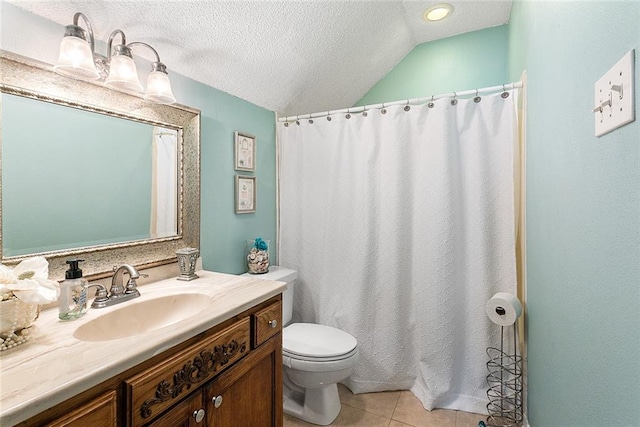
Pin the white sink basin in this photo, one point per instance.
(139, 317)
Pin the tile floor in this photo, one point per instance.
(391, 409)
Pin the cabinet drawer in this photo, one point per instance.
(152, 391)
(267, 322)
(100, 411)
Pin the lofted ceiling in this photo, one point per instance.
(288, 56)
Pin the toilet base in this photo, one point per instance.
(318, 405)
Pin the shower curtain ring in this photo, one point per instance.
(328, 116)
(407, 107)
(384, 110)
(431, 104)
(454, 101)
(364, 111)
(477, 98)
(348, 116)
(298, 120)
(505, 94)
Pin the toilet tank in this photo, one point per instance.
(281, 274)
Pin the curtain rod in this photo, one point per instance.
(413, 101)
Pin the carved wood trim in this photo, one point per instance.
(152, 391)
(194, 372)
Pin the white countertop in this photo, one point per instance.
(53, 366)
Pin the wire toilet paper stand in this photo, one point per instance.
(505, 383)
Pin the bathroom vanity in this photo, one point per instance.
(199, 353)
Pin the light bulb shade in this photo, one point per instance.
(76, 59)
(159, 88)
(123, 74)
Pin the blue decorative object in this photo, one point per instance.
(260, 244)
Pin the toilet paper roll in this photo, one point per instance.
(503, 309)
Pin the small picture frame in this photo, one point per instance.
(245, 194)
(244, 152)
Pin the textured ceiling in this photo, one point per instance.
(292, 57)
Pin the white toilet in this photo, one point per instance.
(315, 359)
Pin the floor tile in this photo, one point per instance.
(354, 417)
(376, 409)
(409, 410)
(348, 417)
(381, 403)
(290, 421)
(466, 419)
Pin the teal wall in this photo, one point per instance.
(222, 232)
(443, 66)
(583, 216)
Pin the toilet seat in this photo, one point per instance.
(317, 348)
(308, 341)
(319, 359)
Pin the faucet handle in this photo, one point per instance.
(101, 296)
(132, 286)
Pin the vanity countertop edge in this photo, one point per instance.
(53, 366)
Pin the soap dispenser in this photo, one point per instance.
(73, 292)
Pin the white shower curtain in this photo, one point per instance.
(401, 227)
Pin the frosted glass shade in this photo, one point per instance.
(159, 88)
(123, 74)
(76, 60)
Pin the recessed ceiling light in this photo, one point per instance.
(437, 12)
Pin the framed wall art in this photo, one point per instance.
(245, 152)
(245, 194)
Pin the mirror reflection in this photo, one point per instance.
(57, 159)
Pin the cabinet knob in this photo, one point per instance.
(217, 401)
(198, 415)
(273, 323)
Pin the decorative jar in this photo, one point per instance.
(258, 256)
(187, 258)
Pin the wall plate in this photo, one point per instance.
(615, 96)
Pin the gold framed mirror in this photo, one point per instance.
(121, 131)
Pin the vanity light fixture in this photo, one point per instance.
(76, 52)
(78, 59)
(437, 12)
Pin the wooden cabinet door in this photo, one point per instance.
(184, 414)
(99, 412)
(250, 393)
(157, 388)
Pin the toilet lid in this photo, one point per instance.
(317, 341)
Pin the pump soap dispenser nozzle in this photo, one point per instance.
(74, 271)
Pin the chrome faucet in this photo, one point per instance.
(118, 292)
